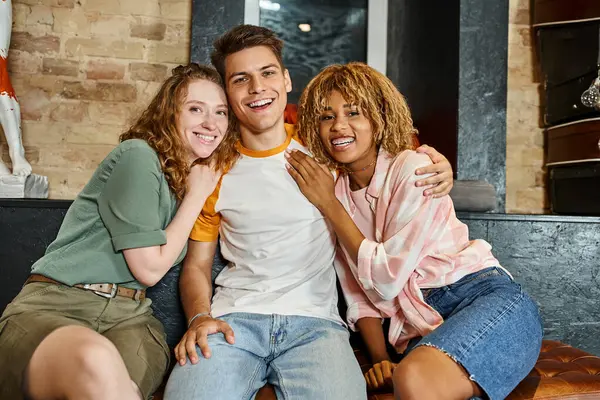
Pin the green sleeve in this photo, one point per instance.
(129, 201)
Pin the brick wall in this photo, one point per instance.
(525, 176)
(82, 69)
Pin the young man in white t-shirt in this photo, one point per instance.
(275, 304)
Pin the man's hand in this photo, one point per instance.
(442, 181)
(198, 333)
(380, 375)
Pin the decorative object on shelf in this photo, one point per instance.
(19, 182)
(591, 97)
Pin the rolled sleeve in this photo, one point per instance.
(140, 239)
(130, 200)
(359, 305)
(360, 310)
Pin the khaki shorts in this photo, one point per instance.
(40, 308)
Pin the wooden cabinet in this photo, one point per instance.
(568, 55)
(568, 49)
(573, 161)
(555, 11)
(573, 142)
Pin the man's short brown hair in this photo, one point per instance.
(243, 37)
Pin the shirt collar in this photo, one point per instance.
(384, 159)
(290, 133)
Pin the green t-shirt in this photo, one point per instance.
(126, 204)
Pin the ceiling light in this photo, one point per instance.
(304, 27)
(269, 5)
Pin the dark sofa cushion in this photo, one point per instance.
(166, 303)
(474, 196)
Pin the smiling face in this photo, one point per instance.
(257, 88)
(203, 118)
(346, 133)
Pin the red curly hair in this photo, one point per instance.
(158, 126)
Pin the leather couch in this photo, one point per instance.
(562, 372)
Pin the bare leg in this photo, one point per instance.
(10, 112)
(428, 374)
(74, 362)
(10, 118)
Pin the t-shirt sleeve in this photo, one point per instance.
(206, 227)
(129, 202)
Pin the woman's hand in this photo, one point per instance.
(442, 181)
(380, 375)
(314, 180)
(202, 180)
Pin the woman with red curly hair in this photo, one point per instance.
(441, 319)
(82, 327)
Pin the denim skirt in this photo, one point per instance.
(491, 327)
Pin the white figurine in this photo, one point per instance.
(10, 112)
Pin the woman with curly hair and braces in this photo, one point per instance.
(82, 327)
(457, 325)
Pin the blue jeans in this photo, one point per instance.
(491, 327)
(302, 357)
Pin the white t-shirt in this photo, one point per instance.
(279, 246)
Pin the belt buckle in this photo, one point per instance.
(111, 295)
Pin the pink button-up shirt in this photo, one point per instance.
(418, 243)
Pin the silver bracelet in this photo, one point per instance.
(202, 314)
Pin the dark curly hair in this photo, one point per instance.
(369, 90)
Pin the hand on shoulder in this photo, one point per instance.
(202, 180)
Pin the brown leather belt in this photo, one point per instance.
(108, 290)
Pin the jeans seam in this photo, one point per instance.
(493, 322)
(281, 385)
(252, 380)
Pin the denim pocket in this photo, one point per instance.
(339, 327)
(429, 293)
(440, 299)
(445, 298)
(475, 276)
